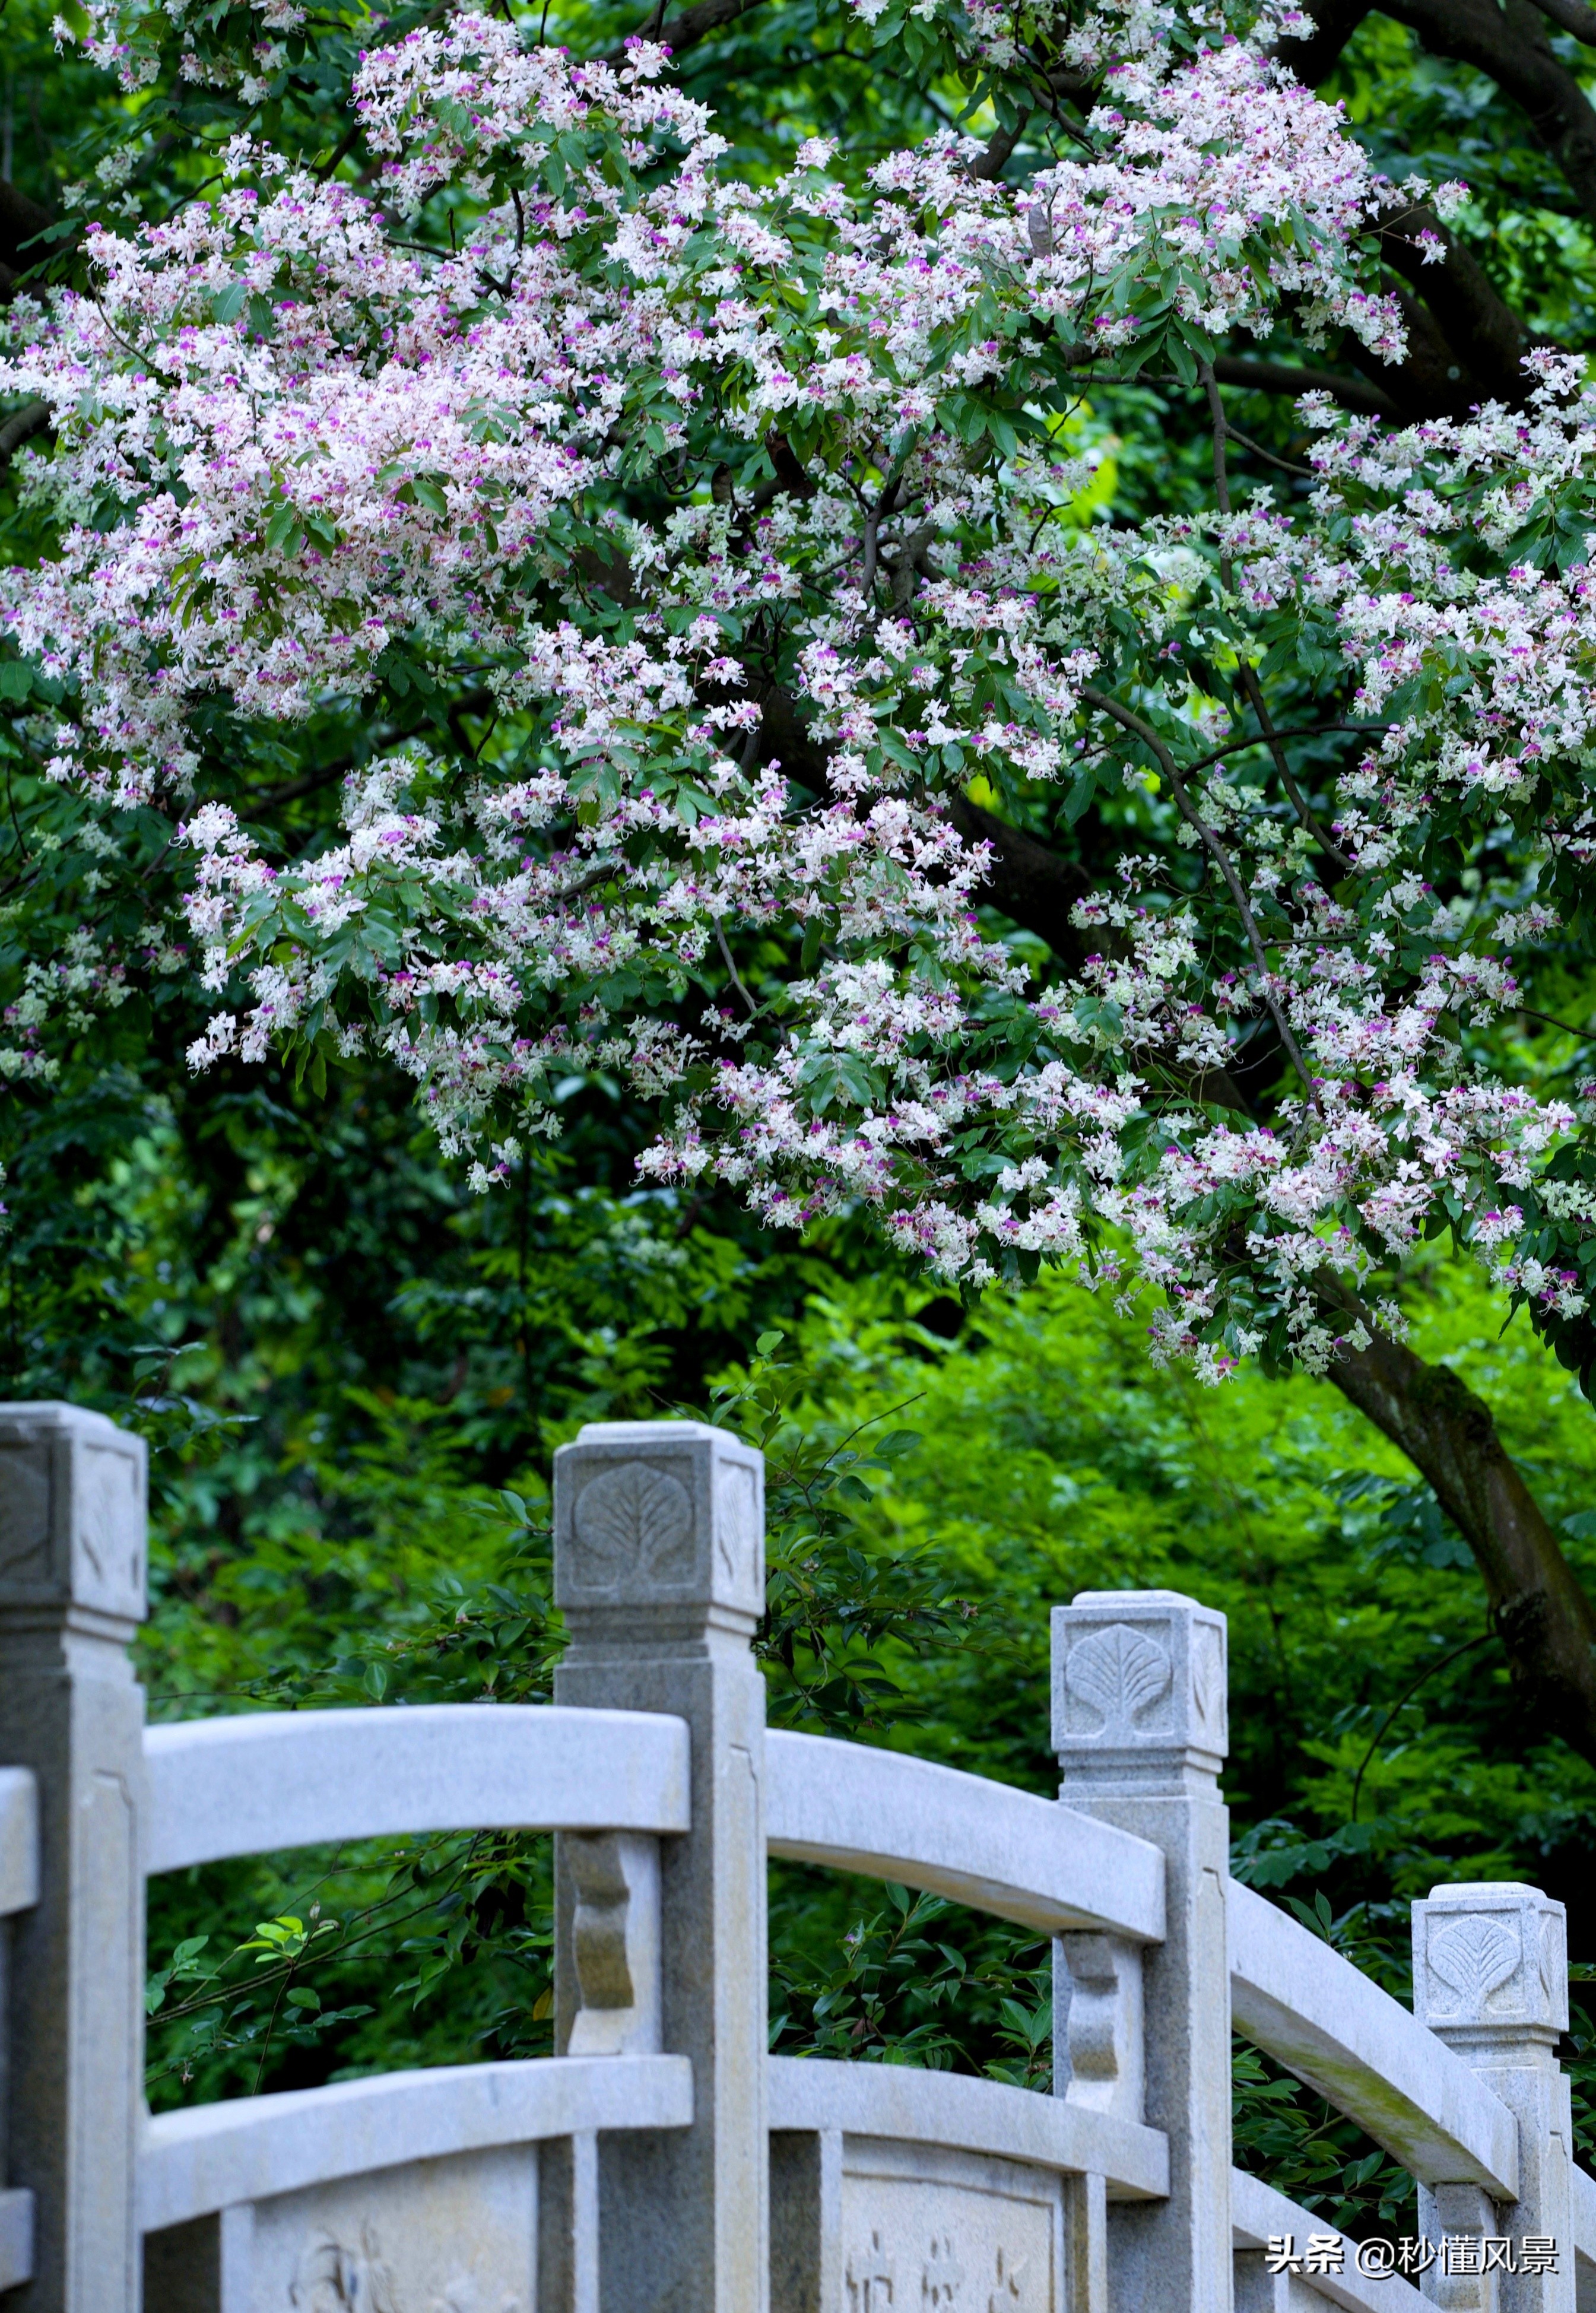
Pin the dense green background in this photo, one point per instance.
(353, 1374)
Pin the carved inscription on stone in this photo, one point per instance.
(1116, 1679)
(633, 1523)
(452, 2236)
(929, 2231)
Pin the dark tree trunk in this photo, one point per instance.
(1540, 1611)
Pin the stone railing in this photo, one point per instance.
(661, 2162)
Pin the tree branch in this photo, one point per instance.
(1290, 377)
(1571, 16)
(21, 222)
(1538, 1604)
(1487, 340)
(31, 418)
(694, 24)
(1222, 860)
(1507, 40)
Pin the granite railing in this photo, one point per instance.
(661, 2162)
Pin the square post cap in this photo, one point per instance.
(72, 1515)
(660, 1518)
(1490, 1961)
(1139, 1685)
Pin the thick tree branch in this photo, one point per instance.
(1487, 340)
(31, 418)
(1571, 16)
(1538, 1606)
(21, 221)
(995, 159)
(1315, 58)
(1507, 40)
(694, 24)
(1294, 378)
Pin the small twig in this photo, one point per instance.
(736, 981)
(339, 153)
(1222, 860)
(1254, 689)
(1248, 678)
(1286, 465)
(1410, 1690)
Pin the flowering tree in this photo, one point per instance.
(1166, 896)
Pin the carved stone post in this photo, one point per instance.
(1139, 1723)
(1490, 1977)
(659, 1572)
(71, 1591)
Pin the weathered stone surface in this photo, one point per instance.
(247, 1785)
(1336, 2030)
(1493, 1954)
(1490, 1974)
(657, 1514)
(857, 1808)
(72, 1512)
(1139, 1683)
(660, 1570)
(1139, 1723)
(945, 2230)
(867, 2225)
(72, 1568)
(452, 2236)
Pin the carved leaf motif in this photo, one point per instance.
(1474, 1958)
(1118, 1673)
(634, 1521)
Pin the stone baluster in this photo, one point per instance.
(1490, 1977)
(659, 1572)
(72, 1592)
(1139, 1723)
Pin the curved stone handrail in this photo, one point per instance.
(1322, 2018)
(1258, 2214)
(911, 2107)
(1003, 1850)
(212, 2156)
(254, 1784)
